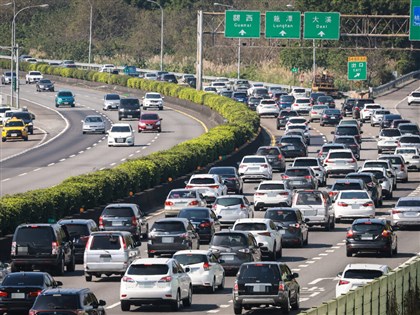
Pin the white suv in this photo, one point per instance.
(156, 281)
(272, 193)
(152, 99)
(367, 111)
(413, 98)
(340, 162)
(211, 181)
(255, 167)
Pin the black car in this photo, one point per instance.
(396, 122)
(387, 120)
(129, 108)
(233, 248)
(79, 230)
(204, 220)
(291, 151)
(192, 82)
(124, 217)
(348, 130)
(259, 284)
(286, 101)
(19, 290)
(291, 220)
(231, 178)
(326, 100)
(295, 140)
(283, 117)
(274, 157)
(67, 301)
(253, 101)
(371, 235)
(314, 96)
(168, 77)
(44, 85)
(42, 246)
(347, 106)
(330, 117)
(170, 235)
(373, 186)
(351, 143)
(359, 105)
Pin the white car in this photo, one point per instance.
(388, 139)
(411, 156)
(121, 135)
(255, 167)
(377, 116)
(406, 212)
(254, 86)
(231, 208)
(107, 68)
(33, 77)
(210, 181)
(150, 76)
(352, 204)
(266, 234)
(210, 89)
(410, 141)
(356, 275)
(156, 281)
(302, 105)
(205, 269)
(178, 199)
(93, 124)
(268, 107)
(386, 164)
(152, 100)
(368, 110)
(272, 193)
(111, 101)
(340, 162)
(413, 98)
(316, 165)
(399, 164)
(219, 86)
(298, 92)
(381, 175)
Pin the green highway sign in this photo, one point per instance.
(242, 24)
(414, 20)
(295, 70)
(282, 24)
(321, 25)
(357, 68)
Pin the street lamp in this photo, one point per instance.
(14, 46)
(161, 32)
(90, 30)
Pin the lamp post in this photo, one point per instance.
(161, 32)
(14, 46)
(90, 30)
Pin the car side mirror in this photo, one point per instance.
(260, 244)
(82, 121)
(102, 303)
(332, 132)
(219, 216)
(163, 98)
(295, 275)
(161, 119)
(187, 269)
(306, 220)
(137, 243)
(361, 131)
(186, 182)
(58, 283)
(340, 274)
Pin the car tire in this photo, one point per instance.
(322, 124)
(56, 105)
(273, 254)
(3, 139)
(119, 117)
(301, 242)
(327, 225)
(139, 131)
(88, 278)
(212, 288)
(306, 239)
(72, 105)
(150, 255)
(25, 138)
(13, 268)
(396, 250)
(176, 305)
(222, 284)
(389, 253)
(280, 252)
(286, 307)
(237, 309)
(349, 253)
(160, 108)
(72, 265)
(296, 304)
(125, 306)
(188, 300)
(159, 130)
(59, 269)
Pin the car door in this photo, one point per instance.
(254, 248)
(182, 277)
(274, 231)
(132, 251)
(216, 222)
(215, 268)
(193, 235)
(289, 280)
(141, 221)
(63, 238)
(303, 226)
(249, 208)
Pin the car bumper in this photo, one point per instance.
(340, 169)
(163, 249)
(273, 203)
(341, 213)
(36, 262)
(127, 143)
(114, 267)
(94, 130)
(16, 305)
(368, 245)
(258, 300)
(159, 294)
(256, 176)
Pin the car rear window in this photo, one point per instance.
(173, 227)
(362, 274)
(297, 120)
(376, 164)
(253, 160)
(305, 162)
(239, 95)
(280, 215)
(347, 130)
(368, 227)
(112, 97)
(118, 212)
(299, 91)
(229, 240)
(105, 242)
(35, 233)
(309, 198)
(327, 148)
(392, 117)
(202, 181)
(408, 127)
(271, 186)
(181, 194)
(406, 151)
(57, 301)
(250, 227)
(408, 203)
(77, 230)
(377, 174)
(410, 139)
(415, 94)
(345, 140)
(286, 113)
(390, 133)
(354, 195)
(346, 186)
(147, 269)
(332, 112)
(263, 273)
(340, 155)
(194, 214)
(393, 159)
(297, 172)
(149, 117)
(191, 259)
(222, 171)
(300, 127)
(229, 201)
(23, 279)
(268, 151)
(373, 106)
(366, 178)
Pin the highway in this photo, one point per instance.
(58, 149)
(319, 262)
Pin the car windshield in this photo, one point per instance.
(118, 212)
(250, 227)
(194, 214)
(354, 195)
(66, 94)
(297, 172)
(173, 227)
(120, 129)
(332, 112)
(228, 201)
(346, 186)
(268, 151)
(390, 133)
(147, 269)
(31, 234)
(271, 186)
(346, 140)
(191, 259)
(406, 151)
(280, 215)
(340, 155)
(229, 240)
(95, 119)
(149, 117)
(77, 230)
(305, 162)
(153, 96)
(409, 203)
(414, 94)
(362, 274)
(253, 160)
(261, 273)
(368, 227)
(410, 140)
(44, 81)
(112, 97)
(309, 198)
(392, 117)
(18, 123)
(182, 194)
(23, 279)
(239, 95)
(57, 301)
(318, 107)
(105, 242)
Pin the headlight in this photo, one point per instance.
(158, 123)
(41, 86)
(142, 124)
(30, 124)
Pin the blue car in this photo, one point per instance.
(64, 97)
(240, 97)
(286, 101)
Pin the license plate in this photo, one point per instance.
(296, 182)
(14, 134)
(309, 212)
(259, 288)
(167, 239)
(355, 206)
(18, 295)
(149, 127)
(117, 223)
(120, 140)
(411, 214)
(282, 231)
(130, 116)
(66, 103)
(368, 237)
(332, 117)
(254, 168)
(147, 284)
(228, 257)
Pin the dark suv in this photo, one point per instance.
(359, 105)
(284, 116)
(129, 108)
(124, 217)
(205, 221)
(230, 177)
(347, 106)
(67, 301)
(265, 283)
(42, 246)
(274, 157)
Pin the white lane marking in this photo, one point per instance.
(148, 143)
(303, 266)
(51, 164)
(113, 305)
(317, 258)
(73, 155)
(224, 305)
(131, 155)
(88, 148)
(102, 168)
(112, 164)
(313, 289)
(124, 159)
(45, 135)
(322, 254)
(23, 174)
(80, 152)
(303, 299)
(296, 269)
(341, 244)
(335, 247)
(309, 262)
(62, 160)
(314, 294)
(330, 251)
(319, 280)
(37, 169)
(213, 311)
(5, 180)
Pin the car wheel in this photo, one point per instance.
(160, 108)
(56, 105)
(125, 306)
(188, 300)
(301, 241)
(273, 254)
(72, 265)
(322, 124)
(88, 278)
(389, 195)
(13, 268)
(139, 131)
(3, 139)
(222, 284)
(280, 252)
(25, 138)
(349, 253)
(119, 118)
(72, 105)
(212, 288)
(59, 269)
(144, 235)
(159, 130)
(176, 305)
(286, 307)
(306, 239)
(296, 304)
(389, 252)
(237, 309)
(405, 180)
(327, 226)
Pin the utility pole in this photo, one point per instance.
(199, 66)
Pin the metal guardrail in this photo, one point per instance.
(393, 84)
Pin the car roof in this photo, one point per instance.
(182, 220)
(245, 233)
(74, 221)
(408, 198)
(254, 156)
(120, 125)
(252, 220)
(340, 150)
(193, 251)
(359, 174)
(372, 169)
(66, 291)
(230, 196)
(120, 205)
(152, 261)
(203, 176)
(366, 266)
(271, 182)
(122, 233)
(282, 209)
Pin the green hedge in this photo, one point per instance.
(101, 187)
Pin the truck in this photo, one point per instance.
(33, 77)
(131, 71)
(325, 83)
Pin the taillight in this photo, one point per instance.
(353, 160)
(279, 156)
(284, 176)
(188, 187)
(386, 233)
(342, 204)
(3, 294)
(327, 161)
(101, 222)
(169, 203)
(313, 112)
(241, 166)
(34, 293)
(281, 286)
(402, 167)
(264, 233)
(308, 176)
(332, 193)
(341, 282)
(350, 233)
(395, 211)
(54, 248)
(124, 243)
(264, 165)
(235, 287)
(325, 116)
(284, 193)
(243, 207)
(368, 204)
(193, 203)
(214, 187)
(134, 221)
(206, 266)
(32, 312)
(259, 194)
(128, 279)
(205, 224)
(165, 279)
(13, 250)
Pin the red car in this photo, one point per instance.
(150, 122)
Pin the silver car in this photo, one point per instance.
(232, 207)
(316, 165)
(316, 112)
(399, 164)
(406, 211)
(377, 116)
(178, 199)
(111, 101)
(410, 141)
(93, 124)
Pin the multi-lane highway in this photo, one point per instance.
(317, 264)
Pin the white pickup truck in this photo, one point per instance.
(33, 77)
